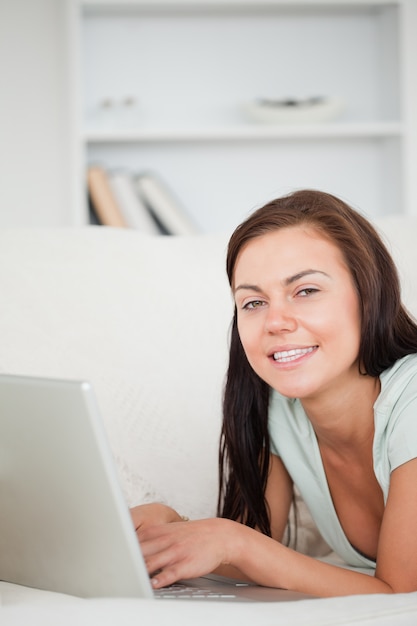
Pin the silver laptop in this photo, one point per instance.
(64, 524)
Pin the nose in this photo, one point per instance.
(280, 319)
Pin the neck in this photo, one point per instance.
(345, 420)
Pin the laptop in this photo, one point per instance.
(64, 523)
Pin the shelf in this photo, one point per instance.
(247, 132)
(164, 89)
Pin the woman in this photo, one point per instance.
(321, 393)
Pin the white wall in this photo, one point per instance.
(35, 120)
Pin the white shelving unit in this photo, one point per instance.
(163, 85)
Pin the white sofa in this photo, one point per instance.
(146, 320)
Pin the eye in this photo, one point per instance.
(253, 304)
(307, 291)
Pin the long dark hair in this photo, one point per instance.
(388, 333)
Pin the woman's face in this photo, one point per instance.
(298, 313)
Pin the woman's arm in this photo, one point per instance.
(279, 496)
(196, 548)
(397, 548)
(177, 551)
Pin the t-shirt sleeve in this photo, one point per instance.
(275, 407)
(402, 446)
(273, 448)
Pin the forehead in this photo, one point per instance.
(286, 251)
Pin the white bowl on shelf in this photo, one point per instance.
(309, 111)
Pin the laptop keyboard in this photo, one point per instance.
(185, 592)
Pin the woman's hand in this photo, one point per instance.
(147, 515)
(188, 550)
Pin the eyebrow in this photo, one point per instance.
(286, 281)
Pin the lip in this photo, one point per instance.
(290, 356)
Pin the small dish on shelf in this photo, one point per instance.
(292, 111)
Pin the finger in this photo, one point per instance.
(150, 536)
(164, 561)
(169, 575)
(164, 532)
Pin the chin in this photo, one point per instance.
(288, 392)
(295, 391)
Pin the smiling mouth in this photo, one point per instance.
(292, 355)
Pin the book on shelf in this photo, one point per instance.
(133, 209)
(163, 205)
(102, 201)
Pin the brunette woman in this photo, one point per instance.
(321, 393)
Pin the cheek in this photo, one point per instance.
(242, 333)
(252, 346)
(345, 322)
(352, 314)
(247, 336)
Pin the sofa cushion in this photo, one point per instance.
(145, 319)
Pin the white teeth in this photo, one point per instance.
(291, 355)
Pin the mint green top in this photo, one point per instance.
(395, 442)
